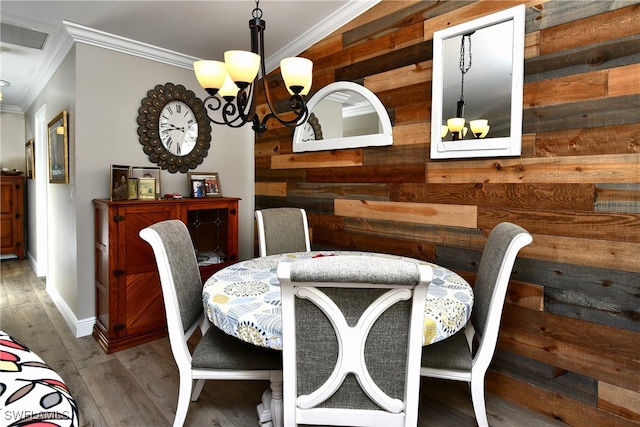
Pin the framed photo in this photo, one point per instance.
(147, 172)
(146, 188)
(59, 150)
(30, 158)
(133, 188)
(198, 188)
(119, 182)
(211, 182)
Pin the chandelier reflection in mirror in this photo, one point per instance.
(456, 125)
(236, 79)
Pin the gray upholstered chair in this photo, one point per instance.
(351, 340)
(217, 356)
(282, 230)
(455, 358)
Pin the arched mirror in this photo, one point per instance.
(343, 115)
(478, 70)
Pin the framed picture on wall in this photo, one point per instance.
(148, 172)
(59, 150)
(211, 182)
(30, 159)
(119, 182)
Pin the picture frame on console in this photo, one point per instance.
(119, 182)
(211, 182)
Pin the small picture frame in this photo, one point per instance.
(198, 188)
(146, 188)
(147, 172)
(30, 159)
(133, 188)
(211, 182)
(119, 182)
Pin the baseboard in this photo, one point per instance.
(80, 328)
(35, 266)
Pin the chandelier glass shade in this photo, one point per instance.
(231, 84)
(457, 125)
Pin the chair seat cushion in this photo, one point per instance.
(217, 350)
(452, 353)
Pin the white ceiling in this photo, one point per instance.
(202, 29)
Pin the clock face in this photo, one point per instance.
(312, 131)
(174, 128)
(308, 133)
(178, 128)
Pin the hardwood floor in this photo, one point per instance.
(139, 386)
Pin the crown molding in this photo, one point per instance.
(76, 33)
(93, 37)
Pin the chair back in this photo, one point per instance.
(492, 280)
(282, 230)
(352, 340)
(180, 280)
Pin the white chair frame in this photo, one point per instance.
(351, 344)
(262, 244)
(180, 350)
(487, 343)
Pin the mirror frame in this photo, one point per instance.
(378, 139)
(61, 145)
(489, 147)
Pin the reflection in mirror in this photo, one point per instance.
(343, 115)
(477, 87)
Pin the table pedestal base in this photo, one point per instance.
(270, 410)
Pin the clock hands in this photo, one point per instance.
(175, 127)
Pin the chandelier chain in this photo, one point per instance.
(257, 12)
(463, 67)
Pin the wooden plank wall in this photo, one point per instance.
(569, 344)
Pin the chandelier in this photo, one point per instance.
(235, 79)
(456, 125)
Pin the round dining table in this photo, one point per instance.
(243, 299)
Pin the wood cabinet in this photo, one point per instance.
(129, 305)
(12, 215)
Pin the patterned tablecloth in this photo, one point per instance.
(243, 299)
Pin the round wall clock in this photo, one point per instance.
(173, 127)
(312, 130)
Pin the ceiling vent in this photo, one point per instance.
(21, 36)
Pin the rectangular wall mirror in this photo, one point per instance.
(478, 72)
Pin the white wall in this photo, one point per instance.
(12, 141)
(107, 88)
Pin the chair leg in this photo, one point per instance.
(276, 398)
(477, 396)
(197, 390)
(184, 393)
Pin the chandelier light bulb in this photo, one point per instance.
(296, 73)
(210, 74)
(242, 66)
(229, 89)
(455, 124)
(478, 127)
